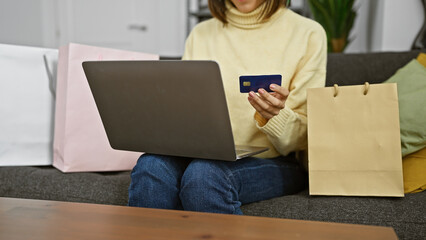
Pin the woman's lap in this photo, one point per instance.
(213, 186)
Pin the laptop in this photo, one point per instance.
(175, 108)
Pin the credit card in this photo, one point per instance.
(254, 82)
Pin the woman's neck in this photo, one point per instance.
(251, 20)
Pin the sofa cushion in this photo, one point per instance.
(353, 69)
(48, 183)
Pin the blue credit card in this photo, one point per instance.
(254, 82)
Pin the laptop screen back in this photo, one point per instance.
(173, 108)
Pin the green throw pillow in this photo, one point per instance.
(411, 82)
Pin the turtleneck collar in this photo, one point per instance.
(249, 20)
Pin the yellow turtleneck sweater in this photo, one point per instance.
(286, 44)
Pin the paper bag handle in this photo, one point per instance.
(366, 88)
(50, 76)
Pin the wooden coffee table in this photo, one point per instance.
(38, 219)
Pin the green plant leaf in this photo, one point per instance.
(321, 14)
(336, 16)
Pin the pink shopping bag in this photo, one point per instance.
(80, 142)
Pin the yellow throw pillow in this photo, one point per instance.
(414, 169)
(422, 59)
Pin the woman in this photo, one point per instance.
(246, 37)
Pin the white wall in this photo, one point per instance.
(179, 13)
(375, 29)
(359, 33)
(402, 21)
(21, 22)
(51, 23)
(386, 25)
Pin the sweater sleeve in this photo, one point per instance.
(287, 131)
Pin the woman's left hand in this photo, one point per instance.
(267, 104)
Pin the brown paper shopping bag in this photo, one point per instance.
(354, 141)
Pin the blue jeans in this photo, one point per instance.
(211, 186)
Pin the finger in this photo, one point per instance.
(262, 103)
(259, 110)
(263, 108)
(281, 91)
(264, 99)
(277, 103)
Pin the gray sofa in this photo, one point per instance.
(406, 215)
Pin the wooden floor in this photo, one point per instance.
(37, 219)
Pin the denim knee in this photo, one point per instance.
(141, 176)
(147, 163)
(155, 182)
(208, 186)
